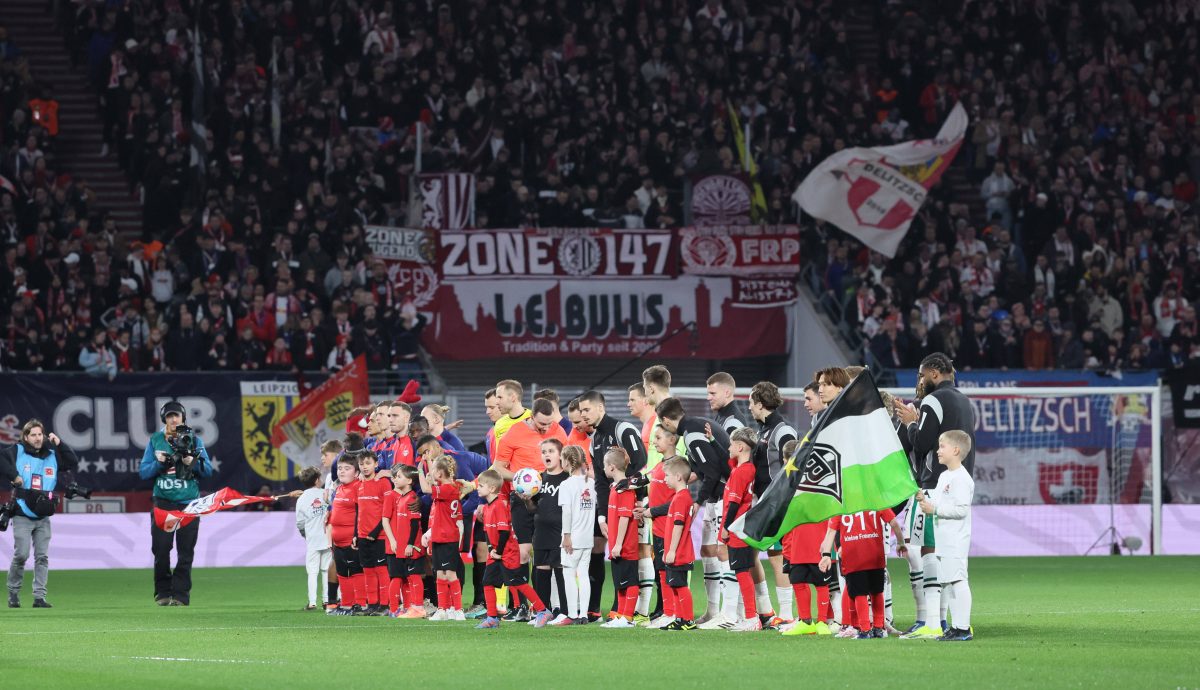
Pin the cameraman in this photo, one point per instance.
(32, 467)
(174, 459)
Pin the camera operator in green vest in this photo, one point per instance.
(175, 459)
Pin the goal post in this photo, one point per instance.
(1083, 463)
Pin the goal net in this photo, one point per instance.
(1058, 471)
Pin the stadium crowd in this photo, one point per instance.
(1084, 148)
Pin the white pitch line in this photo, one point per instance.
(203, 661)
(155, 630)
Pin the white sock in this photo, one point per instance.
(729, 592)
(554, 595)
(645, 585)
(960, 604)
(933, 590)
(571, 583)
(887, 597)
(786, 598)
(762, 599)
(835, 595)
(916, 578)
(712, 583)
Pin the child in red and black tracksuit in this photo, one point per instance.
(622, 539)
(371, 553)
(737, 499)
(342, 526)
(504, 555)
(679, 555)
(406, 562)
(445, 532)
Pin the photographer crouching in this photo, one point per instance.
(32, 467)
(174, 459)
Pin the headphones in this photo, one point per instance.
(172, 407)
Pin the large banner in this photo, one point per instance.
(1185, 395)
(600, 292)
(553, 317)
(109, 423)
(751, 250)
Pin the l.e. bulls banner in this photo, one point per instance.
(873, 193)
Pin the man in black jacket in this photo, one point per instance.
(943, 408)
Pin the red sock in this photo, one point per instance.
(489, 596)
(877, 610)
(862, 612)
(371, 585)
(629, 602)
(395, 594)
(345, 591)
(531, 596)
(827, 612)
(360, 588)
(514, 597)
(668, 595)
(823, 606)
(455, 594)
(683, 603)
(443, 594)
(746, 585)
(416, 590)
(803, 602)
(847, 608)
(385, 582)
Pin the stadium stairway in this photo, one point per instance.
(77, 150)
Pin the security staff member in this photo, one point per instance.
(32, 468)
(175, 484)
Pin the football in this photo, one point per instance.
(527, 482)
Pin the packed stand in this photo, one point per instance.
(597, 113)
(1084, 152)
(57, 277)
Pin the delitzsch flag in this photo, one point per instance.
(222, 499)
(852, 460)
(874, 193)
(321, 415)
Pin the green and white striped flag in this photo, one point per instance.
(852, 460)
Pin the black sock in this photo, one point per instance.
(332, 592)
(658, 609)
(616, 605)
(431, 588)
(596, 575)
(477, 583)
(561, 581)
(541, 585)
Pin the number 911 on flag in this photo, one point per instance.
(558, 252)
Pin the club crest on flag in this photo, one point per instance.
(822, 472)
(879, 195)
(337, 409)
(263, 404)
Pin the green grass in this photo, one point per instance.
(1047, 622)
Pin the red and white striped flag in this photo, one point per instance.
(447, 200)
(222, 499)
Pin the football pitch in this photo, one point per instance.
(1039, 622)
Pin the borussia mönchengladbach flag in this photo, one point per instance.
(852, 460)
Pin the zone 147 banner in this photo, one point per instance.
(565, 292)
(108, 423)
